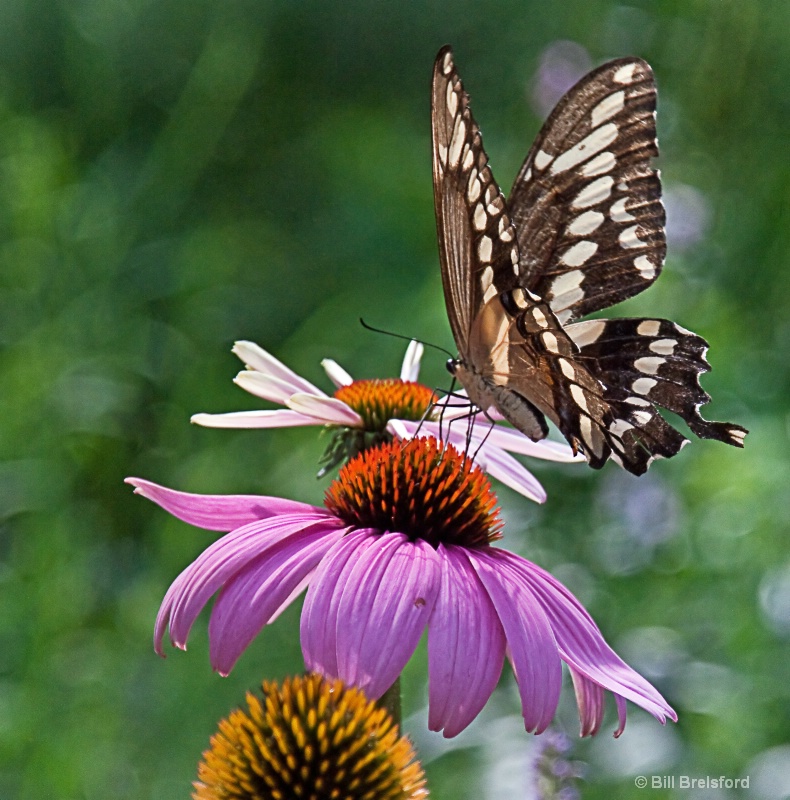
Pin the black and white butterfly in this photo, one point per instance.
(583, 229)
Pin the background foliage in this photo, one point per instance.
(177, 175)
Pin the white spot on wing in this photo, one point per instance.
(550, 342)
(649, 364)
(578, 254)
(539, 317)
(457, 142)
(618, 212)
(484, 248)
(664, 347)
(567, 282)
(620, 426)
(602, 163)
(577, 393)
(637, 401)
(643, 385)
(489, 293)
(608, 107)
(452, 100)
(542, 159)
(585, 223)
(625, 74)
(474, 187)
(587, 147)
(527, 175)
(567, 368)
(487, 278)
(629, 239)
(447, 64)
(584, 333)
(594, 193)
(646, 267)
(648, 327)
(480, 218)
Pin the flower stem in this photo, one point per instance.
(390, 702)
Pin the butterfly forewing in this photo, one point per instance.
(514, 353)
(587, 202)
(477, 241)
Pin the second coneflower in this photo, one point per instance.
(309, 738)
(404, 543)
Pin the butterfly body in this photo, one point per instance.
(582, 229)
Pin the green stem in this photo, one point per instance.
(390, 702)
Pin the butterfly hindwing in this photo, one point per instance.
(587, 202)
(652, 362)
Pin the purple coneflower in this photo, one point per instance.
(404, 542)
(364, 413)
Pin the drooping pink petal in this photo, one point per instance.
(220, 512)
(590, 700)
(256, 592)
(318, 630)
(387, 594)
(466, 646)
(262, 361)
(267, 387)
(531, 646)
(621, 715)
(582, 645)
(279, 418)
(193, 588)
(325, 409)
(336, 373)
(410, 369)
(502, 466)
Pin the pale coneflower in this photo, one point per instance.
(364, 413)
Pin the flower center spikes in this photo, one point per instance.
(310, 739)
(422, 488)
(379, 401)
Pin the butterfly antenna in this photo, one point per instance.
(406, 338)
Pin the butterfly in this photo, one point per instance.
(583, 229)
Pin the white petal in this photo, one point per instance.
(256, 358)
(267, 386)
(281, 418)
(336, 373)
(410, 370)
(325, 409)
(516, 442)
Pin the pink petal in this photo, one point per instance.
(317, 628)
(336, 373)
(267, 387)
(410, 370)
(366, 608)
(590, 700)
(502, 466)
(264, 362)
(220, 512)
(279, 418)
(516, 442)
(531, 646)
(259, 590)
(582, 645)
(191, 590)
(466, 646)
(325, 409)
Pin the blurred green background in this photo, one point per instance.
(177, 175)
